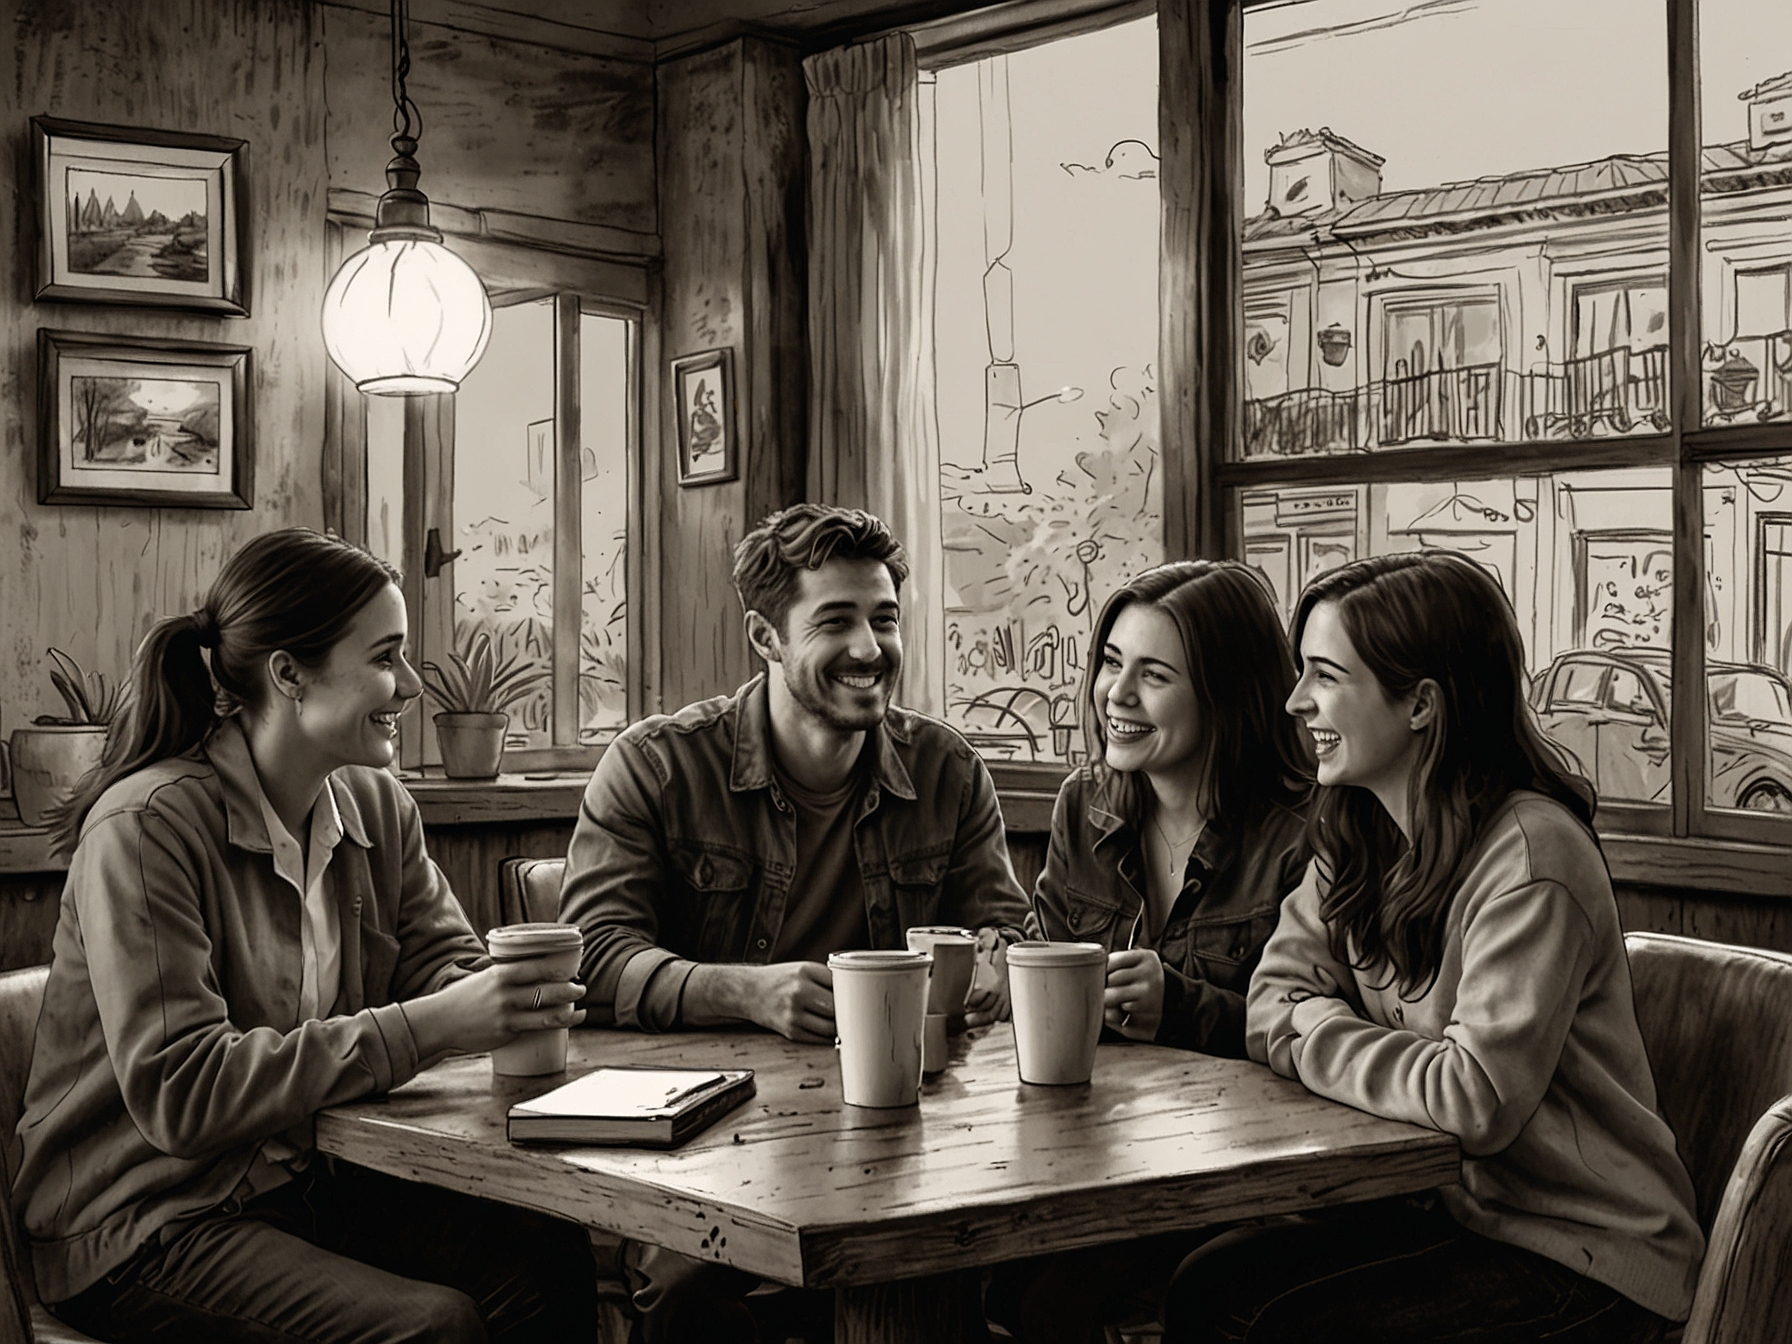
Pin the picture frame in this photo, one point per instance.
(143, 421)
(147, 217)
(708, 433)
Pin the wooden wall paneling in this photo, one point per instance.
(507, 125)
(1026, 851)
(1643, 910)
(731, 187)
(92, 580)
(30, 904)
(469, 857)
(1201, 177)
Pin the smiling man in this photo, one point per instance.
(722, 852)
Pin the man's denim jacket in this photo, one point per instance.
(685, 848)
(1091, 890)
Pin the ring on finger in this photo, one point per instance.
(537, 1004)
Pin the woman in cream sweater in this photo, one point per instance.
(1453, 959)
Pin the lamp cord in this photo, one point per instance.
(407, 120)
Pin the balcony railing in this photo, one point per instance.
(1452, 405)
(1311, 420)
(1617, 391)
(1621, 391)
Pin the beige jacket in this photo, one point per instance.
(1526, 1048)
(170, 1046)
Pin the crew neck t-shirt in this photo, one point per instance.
(825, 910)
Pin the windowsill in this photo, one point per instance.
(513, 798)
(1723, 867)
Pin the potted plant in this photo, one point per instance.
(50, 757)
(474, 691)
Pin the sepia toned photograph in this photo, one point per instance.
(139, 217)
(899, 672)
(143, 422)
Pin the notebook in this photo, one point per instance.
(658, 1108)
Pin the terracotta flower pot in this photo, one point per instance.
(48, 760)
(472, 744)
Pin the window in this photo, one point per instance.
(510, 509)
(1458, 317)
(1044, 226)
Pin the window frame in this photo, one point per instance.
(1686, 448)
(579, 285)
(1201, 109)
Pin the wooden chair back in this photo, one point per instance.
(22, 1320)
(1717, 1023)
(529, 890)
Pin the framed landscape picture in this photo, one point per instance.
(140, 216)
(135, 420)
(704, 387)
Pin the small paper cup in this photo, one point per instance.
(880, 1005)
(557, 949)
(954, 952)
(933, 1043)
(1056, 990)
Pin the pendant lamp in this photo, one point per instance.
(404, 314)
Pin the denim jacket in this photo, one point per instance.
(1092, 890)
(685, 848)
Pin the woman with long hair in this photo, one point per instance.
(250, 931)
(1173, 847)
(1453, 959)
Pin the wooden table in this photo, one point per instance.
(898, 1209)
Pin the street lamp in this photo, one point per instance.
(1001, 430)
(1065, 394)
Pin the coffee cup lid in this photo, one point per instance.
(877, 961)
(943, 933)
(1056, 954)
(533, 940)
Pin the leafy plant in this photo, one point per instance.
(477, 683)
(92, 700)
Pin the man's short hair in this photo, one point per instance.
(807, 536)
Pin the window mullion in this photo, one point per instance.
(568, 536)
(1688, 725)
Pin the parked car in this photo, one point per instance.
(1610, 710)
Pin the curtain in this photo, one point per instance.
(873, 435)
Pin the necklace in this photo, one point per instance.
(1174, 845)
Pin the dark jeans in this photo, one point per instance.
(1395, 1271)
(350, 1257)
(1070, 1297)
(680, 1300)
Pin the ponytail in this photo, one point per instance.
(169, 708)
(292, 589)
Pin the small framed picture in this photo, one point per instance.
(140, 216)
(707, 447)
(138, 420)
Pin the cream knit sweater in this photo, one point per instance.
(1526, 1048)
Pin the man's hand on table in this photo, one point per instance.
(793, 998)
(988, 1000)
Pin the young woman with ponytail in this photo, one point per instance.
(1453, 959)
(250, 931)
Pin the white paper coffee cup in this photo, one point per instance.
(934, 1047)
(954, 952)
(558, 948)
(880, 1006)
(1056, 990)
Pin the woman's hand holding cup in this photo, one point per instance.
(1133, 1003)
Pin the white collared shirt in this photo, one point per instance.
(320, 928)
